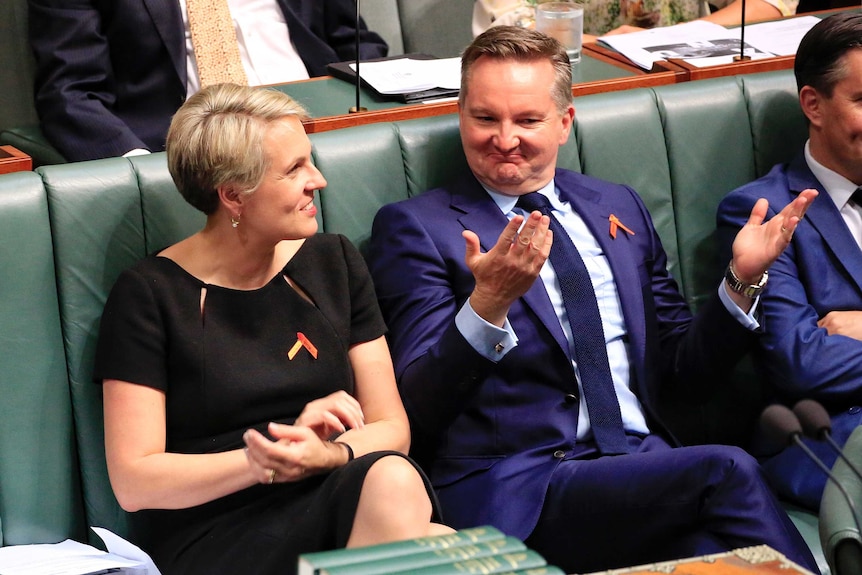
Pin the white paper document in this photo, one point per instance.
(702, 43)
(73, 558)
(406, 75)
(781, 37)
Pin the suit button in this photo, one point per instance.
(571, 398)
(559, 454)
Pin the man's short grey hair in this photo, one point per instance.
(522, 45)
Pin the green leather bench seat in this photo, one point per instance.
(68, 230)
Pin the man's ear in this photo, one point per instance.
(568, 118)
(810, 101)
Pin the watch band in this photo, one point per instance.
(745, 289)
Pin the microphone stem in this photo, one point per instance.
(798, 441)
(837, 448)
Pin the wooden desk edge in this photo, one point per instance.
(16, 161)
(734, 68)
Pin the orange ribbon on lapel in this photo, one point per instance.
(616, 223)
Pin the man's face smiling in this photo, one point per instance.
(510, 126)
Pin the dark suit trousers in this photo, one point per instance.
(658, 504)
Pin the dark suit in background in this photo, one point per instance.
(819, 272)
(111, 73)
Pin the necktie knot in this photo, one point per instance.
(536, 201)
(856, 198)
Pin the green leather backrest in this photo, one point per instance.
(778, 126)
(620, 139)
(40, 499)
(709, 153)
(105, 215)
(442, 28)
(357, 184)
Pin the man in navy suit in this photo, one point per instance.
(111, 73)
(490, 366)
(812, 311)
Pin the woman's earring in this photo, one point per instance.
(234, 221)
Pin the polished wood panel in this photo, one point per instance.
(14, 160)
(735, 68)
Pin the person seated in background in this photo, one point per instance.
(251, 412)
(812, 345)
(532, 387)
(109, 75)
(622, 16)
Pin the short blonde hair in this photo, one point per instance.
(216, 138)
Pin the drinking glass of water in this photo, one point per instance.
(563, 21)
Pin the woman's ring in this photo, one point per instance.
(783, 229)
(271, 476)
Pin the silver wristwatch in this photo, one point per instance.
(738, 286)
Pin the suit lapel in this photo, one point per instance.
(824, 216)
(482, 216)
(169, 22)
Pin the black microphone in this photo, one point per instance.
(817, 425)
(780, 425)
(357, 108)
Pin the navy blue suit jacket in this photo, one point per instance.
(491, 434)
(819, 272)
(111, 73)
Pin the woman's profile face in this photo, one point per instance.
(283, 207)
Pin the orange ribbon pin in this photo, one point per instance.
(616, 223)
(302, 341)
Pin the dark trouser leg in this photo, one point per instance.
(660, 504)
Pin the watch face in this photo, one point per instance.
(748, 290)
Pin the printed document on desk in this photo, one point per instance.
(699, 43)
(781, 37)
(73, 558)
(407, 75)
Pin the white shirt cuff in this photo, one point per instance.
(747, 320)
(489, 341)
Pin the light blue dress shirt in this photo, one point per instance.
(494, 343)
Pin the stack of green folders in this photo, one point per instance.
(475, 550)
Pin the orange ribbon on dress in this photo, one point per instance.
(302, 341)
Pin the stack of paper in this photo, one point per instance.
(73, 558)
(408, 75)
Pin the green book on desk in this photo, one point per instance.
(500, 563)
(428, 558)
(545, 570)
(313, 563)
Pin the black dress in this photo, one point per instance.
(232, 363)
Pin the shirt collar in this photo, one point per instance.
(506, 203)
(837, 186)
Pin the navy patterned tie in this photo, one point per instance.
(591, 351)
